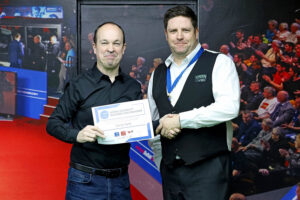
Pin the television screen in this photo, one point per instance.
(8, 84)
(42, 12)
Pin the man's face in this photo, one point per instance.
(287, 47)
(275, 137)
(279, 68)
(181, 36)
(239, 34)
(65, 39)
(253, 58)
(224, 49)
(281, 97)
(36, 40)
(271, 26)
(109, 47)
(67, 46)
(266, 93)
(253, 87)
(236, 58)
(139, 61)
(291, 72)
(294, 28)
(246, 118)
(256, 40)
(274, 45)
(265, 127)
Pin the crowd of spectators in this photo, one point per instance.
(142, 73)
(266, 142)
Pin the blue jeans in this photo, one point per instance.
(82, 185)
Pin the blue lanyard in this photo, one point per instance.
(170, 86)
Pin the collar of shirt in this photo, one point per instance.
(97, 75)
(170, 59)
(176, 70)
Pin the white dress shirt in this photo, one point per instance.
(226, 92)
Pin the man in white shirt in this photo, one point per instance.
(195, 94)
(267, 106)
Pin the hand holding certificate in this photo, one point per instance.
(124, 122)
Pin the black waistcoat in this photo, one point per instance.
(191, 145)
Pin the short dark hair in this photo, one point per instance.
(113, 23)
(17, 35)
(181, 10)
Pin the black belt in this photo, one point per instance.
(109, 173)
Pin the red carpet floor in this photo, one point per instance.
(33, 165)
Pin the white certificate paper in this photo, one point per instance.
(124, 122)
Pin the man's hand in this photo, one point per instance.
(266, 78)
(169, 126)
(89, 134)
(264, 172)
(284, 153)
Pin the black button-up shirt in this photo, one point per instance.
(74, 112)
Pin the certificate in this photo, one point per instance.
(124, 122)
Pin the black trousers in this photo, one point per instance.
(204, 180)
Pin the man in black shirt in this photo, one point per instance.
(96, 171)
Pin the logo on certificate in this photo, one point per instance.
(117, 134)
(104, 114)
(123, 133)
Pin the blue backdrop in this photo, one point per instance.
(31, 91)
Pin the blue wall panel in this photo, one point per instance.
(31, 91)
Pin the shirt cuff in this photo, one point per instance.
(73, 136)
(185, 120)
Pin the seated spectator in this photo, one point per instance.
(281, 75)
(156, 62)
(251, 59)
(245, 93)
(226, 50)
(238, 43)
(257, 44)
(254, 98)
(248, 158)
(272, 30)
(287, 55)
(292, 37)
(296, 59)
(284, 111)
(269, 59)
(292, 156)
(141, 70)
(268, 104)
(264, 134)
(242, 69)
(248, 129)
(291, 85)
(272, 158)
(205, 46)
(257, 73)
(237, 157)
(294, 126)
(283, 32)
